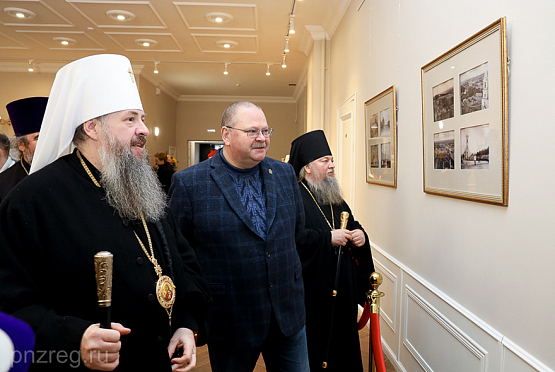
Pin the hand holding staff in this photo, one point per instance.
(103, 262)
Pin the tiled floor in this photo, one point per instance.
(203, 364)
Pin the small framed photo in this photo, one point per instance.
(381, 138)
(465, 119)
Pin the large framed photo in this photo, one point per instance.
(381, 138)
(465, 119)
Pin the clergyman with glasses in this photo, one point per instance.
(241, 212)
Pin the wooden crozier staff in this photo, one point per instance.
(103, 266)
(344, 220)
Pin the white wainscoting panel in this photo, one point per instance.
(423, 329)
(388, 303)
(421, 319)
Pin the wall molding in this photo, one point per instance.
(472, 346)
(217, 98)
(506, 344)
(390, 321)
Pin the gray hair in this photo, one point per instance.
(21, 140)
(302, 175)
(229, 117)
(80, 136)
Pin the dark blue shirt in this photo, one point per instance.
(250, 188)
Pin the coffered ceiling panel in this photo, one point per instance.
(238, 17)
(132, 41)
(41, 14)
(7, 42)
(145, 14)
(78, 40)
(208, 43)
(186, 38)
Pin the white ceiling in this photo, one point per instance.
(191, 62)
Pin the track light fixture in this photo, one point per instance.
(156, 66)
(268, 69)
(31, 67)
(283, 65)
(225, 69)
(291, 24)
(286, 49)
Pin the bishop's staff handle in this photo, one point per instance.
(103, 266)
(344, 220)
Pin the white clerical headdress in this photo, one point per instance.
(84, 89)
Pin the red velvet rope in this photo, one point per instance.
(377, 342)
(364, 317)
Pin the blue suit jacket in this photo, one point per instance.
(249, 277)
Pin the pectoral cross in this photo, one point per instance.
(131, 74)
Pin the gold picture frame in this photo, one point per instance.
(381, 138)
(465, 119)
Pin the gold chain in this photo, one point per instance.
(21, 161)
(150, 256)
(331, 207)
(87, 169)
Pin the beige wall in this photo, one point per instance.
(194, 118)
(160, 109)
(468, 285)
(161, 112)
(17, 85)
(302, 112)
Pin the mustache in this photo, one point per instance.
(139, 141)
(256, 145)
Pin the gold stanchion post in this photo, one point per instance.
(373, 299)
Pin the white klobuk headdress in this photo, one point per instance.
(84, 89)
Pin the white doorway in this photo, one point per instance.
(345, 160)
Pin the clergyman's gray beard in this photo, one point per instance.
(326, 191)
(28, 155)
(131, 186)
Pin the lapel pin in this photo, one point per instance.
(270, 171)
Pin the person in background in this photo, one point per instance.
(5, 159)
(172, 161)
(26, 116)
(165, 170)
(241, 212)
(331, 325)
(101, 197)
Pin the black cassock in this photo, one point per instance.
(12, 176)
(319, 260)
(50, 229)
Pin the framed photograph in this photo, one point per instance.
(465, 119)
(381, 138)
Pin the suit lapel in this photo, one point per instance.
(270, 188)
(221, 176)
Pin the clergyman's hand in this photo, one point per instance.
(340, 237)
(100, 347)
(358, 238)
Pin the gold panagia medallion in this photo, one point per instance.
(165, 290)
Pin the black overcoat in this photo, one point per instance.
(53, 225)
(319, 260)
(12, 176)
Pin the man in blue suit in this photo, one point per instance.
(241, 212)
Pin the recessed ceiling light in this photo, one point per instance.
(218, 17)
(64, 41)
(227, 44)
(146, 42)
(19, 13)
(120, 15)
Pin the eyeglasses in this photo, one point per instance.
(253, 133)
